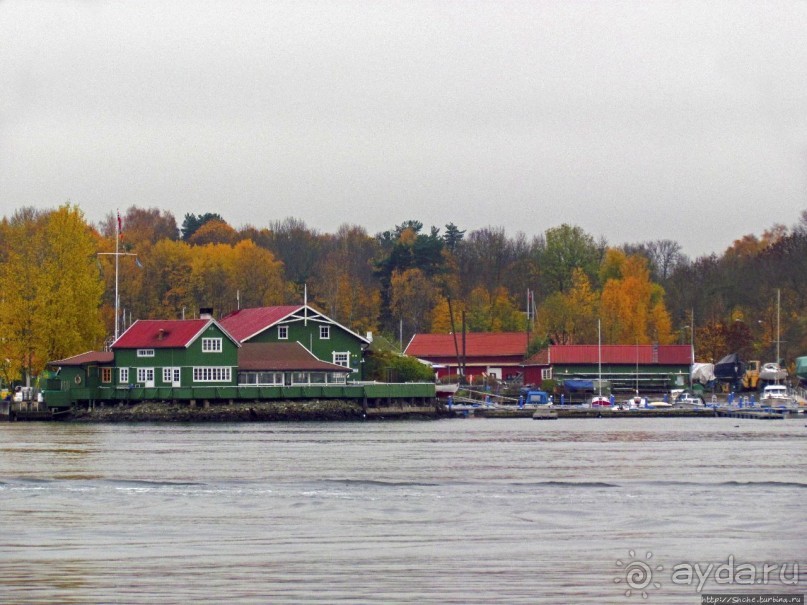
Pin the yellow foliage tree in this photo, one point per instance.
(211, 278)
(441, 316)
(632, 307)
(51, 289)
(257, 275)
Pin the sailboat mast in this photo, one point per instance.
(117, 263)
(599, 359)
(778, 314)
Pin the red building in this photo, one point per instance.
(626, 367)
(498, 354)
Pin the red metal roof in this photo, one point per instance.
(245, 323)
(161, 333)
(88, 358)
(613, 354)
(477, 344)
(282, 356)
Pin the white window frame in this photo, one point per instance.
(212, 374)
(171, 375)
(106, 375)
(145, 352)
(546, 373)
(283, 332)
(212, 345)
(123, 375)
(342, 358)
(325, 332)
(145, 375)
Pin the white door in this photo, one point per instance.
(145, 376)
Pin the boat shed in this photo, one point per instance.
(628, 368)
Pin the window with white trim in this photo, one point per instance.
(283, 332)
(106, 375)
(324, 332)
(145, 374)
(212, 374)
(260, 378)
(546, 373)
(145, 352)
(171, 375)
(123, 375)
(341, 359)
(211, 345)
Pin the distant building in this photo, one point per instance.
(626, 367)
(496, 354)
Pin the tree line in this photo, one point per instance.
(562, 286)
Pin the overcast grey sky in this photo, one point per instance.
(633, 120)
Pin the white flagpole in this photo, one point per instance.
(117, 256)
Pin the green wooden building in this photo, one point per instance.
(325, 338)
(174, 353)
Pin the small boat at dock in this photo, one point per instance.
(545, 414)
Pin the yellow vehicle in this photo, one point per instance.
(750, 379)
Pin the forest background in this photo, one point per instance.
(57, 282)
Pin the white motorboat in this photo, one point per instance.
(772, 372)
(776, 395)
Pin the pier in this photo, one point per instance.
(580, 412)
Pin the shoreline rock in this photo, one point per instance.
(276, 411)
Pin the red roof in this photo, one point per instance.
(88, 358)
(613, 354)
(477, 344)
(161, 333)
(245, 323)
(282, 356)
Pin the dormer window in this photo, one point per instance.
(145, 352)
(211, 345)
(282, 332)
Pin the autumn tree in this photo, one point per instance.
(141, 224)
(493, 312)
(632, 307)
(406, 255)
(51, 288)
(257, 276)
(446, 316)
(211, 278)
(214, 231)
(412, 299)
(167, 292)
(345, 284)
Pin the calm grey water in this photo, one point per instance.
(454, 511)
